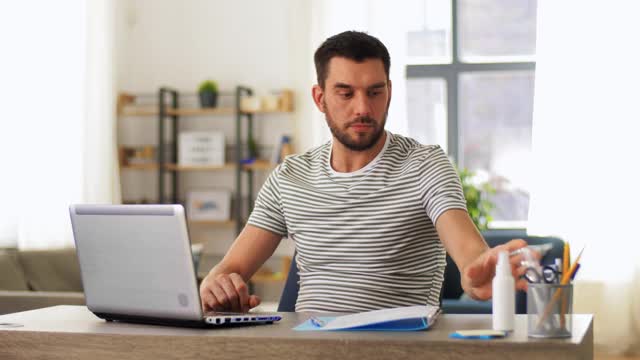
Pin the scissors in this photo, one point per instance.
(549, 274)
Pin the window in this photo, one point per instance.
(470, 82)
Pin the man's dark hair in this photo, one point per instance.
(353, 45)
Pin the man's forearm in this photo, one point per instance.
(222, 268)
(463, 242)
(248, 252)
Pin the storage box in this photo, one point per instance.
(201, 148)
(209, 205)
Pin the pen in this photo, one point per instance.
(575, 272)
(317, 322)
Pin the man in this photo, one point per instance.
(371, 213)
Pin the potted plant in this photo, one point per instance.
(208, 92)
(476, 194)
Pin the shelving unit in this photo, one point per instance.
(168, 108)
(169, 114)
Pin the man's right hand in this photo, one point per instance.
(226, 292)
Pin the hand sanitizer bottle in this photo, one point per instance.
(503, 295)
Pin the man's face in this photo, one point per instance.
(355, 101)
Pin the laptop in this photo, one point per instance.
(136, 266)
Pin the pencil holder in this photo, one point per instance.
(549, 310)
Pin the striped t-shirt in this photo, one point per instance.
(364, 240)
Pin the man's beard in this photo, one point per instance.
(360, 142)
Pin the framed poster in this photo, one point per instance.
(209, 205)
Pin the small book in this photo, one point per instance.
(408, 318)
(481, 334)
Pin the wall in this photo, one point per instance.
(262, 44)
(181, 42)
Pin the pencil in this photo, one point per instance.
(565, 258)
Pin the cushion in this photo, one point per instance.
(51, 270)
(15, 301)
(11, 275)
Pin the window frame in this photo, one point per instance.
(451, 72)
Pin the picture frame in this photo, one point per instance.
(201, 148)
(208, 205)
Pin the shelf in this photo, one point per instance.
(266, 112)
(201, 111)
(258, 165)
(139, 111)
(140, 167)
(153, 111)
(257, 279)
(176, 167)
(217, 223)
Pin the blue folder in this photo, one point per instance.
(410, 318)
(396, 325)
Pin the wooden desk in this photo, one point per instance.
(72, 332)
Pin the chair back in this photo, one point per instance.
(290, 291)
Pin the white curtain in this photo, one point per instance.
(585, 168)
(58, 144)
(100, 163)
